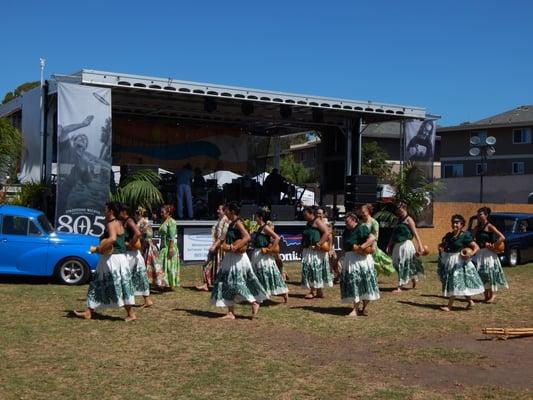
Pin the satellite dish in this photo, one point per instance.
(474, 140)
(491, 140)
(474, 151)
(491, 150)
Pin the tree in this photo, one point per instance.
(413, 189)
(19, 90)
(140, 188)
(292, 170)
(375, 161)
(11, 147)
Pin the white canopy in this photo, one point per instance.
(222, 177)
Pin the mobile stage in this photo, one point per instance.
(96, 121)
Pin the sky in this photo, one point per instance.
(461, 59)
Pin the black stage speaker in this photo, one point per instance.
(282, 213)
(360, 189)
(333, 181)
(248, 211)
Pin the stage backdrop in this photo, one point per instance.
(420, 149)
(170, 145)
(83, 158)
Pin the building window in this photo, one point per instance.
(481, 168)
(453, 170)
(521, 135)
(518, 168)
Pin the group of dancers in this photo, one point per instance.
(124, 271)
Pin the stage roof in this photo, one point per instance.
(260, 112)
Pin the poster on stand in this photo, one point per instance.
(83, 158)
(420, 151)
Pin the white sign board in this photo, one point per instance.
(196, 243)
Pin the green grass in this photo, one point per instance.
(302, 350)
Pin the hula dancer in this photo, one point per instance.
(266, 244)
(168, 255)
(456, 271)
(218, 234)
(111, 285)
(404, 255)
(150, 253)
(358, 277)
(315, 261)
(488, 263)
(139, 277)
(382, 262)
(235, 280)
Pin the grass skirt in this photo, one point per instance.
(266, 270)
(111, 285)
(407, 264)
(490, 270)
(457, 277)
(236, 282)
(382, 262)
(358, 278)
(315, 269)
(138, 273)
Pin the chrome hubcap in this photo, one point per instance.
(72, 271)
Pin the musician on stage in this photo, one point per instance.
(273, 186)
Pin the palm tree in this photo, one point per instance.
(140, 188)
(412, 188)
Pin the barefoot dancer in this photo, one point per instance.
(111, 285)
(150, 253)
(168, 255)
(358, 276)
(235, 280)
(135, 258)
(263, 260)
(404, 257)
(456, 271)
(488, 263)
(315, 264)
(218, 233)
(382, 262)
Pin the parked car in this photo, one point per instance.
(518, 231)
(29, 245)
